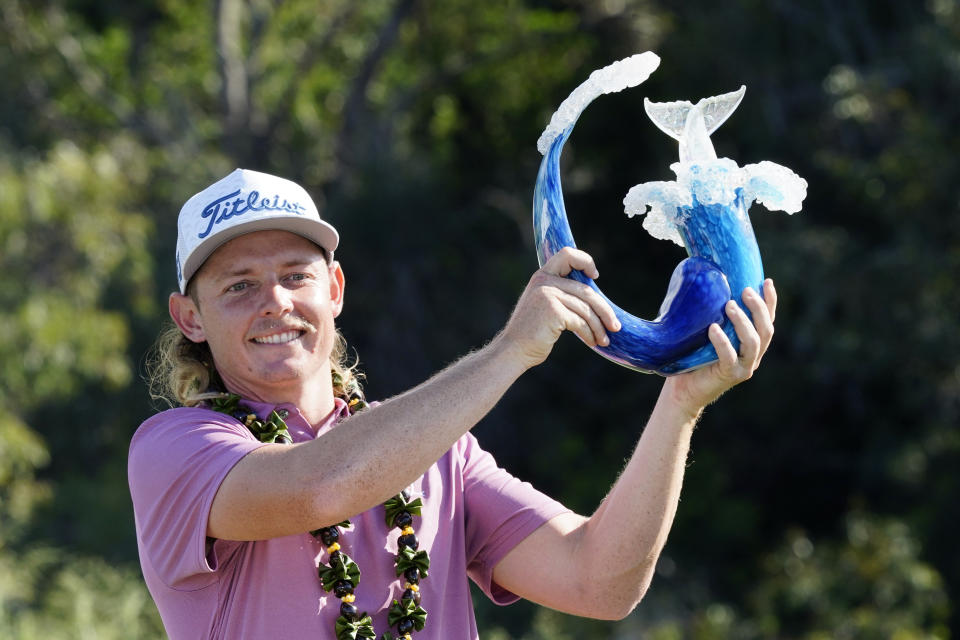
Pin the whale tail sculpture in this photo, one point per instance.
(691, 124)
(705, 210)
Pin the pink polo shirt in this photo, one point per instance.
(474, 514)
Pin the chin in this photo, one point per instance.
(273, 375)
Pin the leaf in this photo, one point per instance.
(407, 610)
(398, 504)
(227, 403)
(408, 558)
(341, 567)
(270, 431)
(346, 630)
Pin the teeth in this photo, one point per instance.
(278, 338)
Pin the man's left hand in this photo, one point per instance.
(696, 389)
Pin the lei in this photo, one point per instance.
(342, 574)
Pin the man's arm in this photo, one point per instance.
(601, 566)
(282, 490)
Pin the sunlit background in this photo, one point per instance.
(821, 499)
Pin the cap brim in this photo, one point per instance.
(317, 231)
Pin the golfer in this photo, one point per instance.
(274, 502)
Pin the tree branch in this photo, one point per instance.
(88, 77)
(355, 105)
(233, 71)
(308, 59)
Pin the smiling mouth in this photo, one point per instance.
(279, 338)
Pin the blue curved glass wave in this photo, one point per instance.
(724, 258)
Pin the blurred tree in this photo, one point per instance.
(74, 251)
(872, 584)
(414, 122)
(869, 584)
(126, 99)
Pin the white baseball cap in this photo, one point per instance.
(243, 202)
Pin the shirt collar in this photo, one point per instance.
(297, 424)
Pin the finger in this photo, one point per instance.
(588, 294)
(761, 317)
(770, 297)
(564, 312)
(749, 338)
(582, 320)
(726, 354)
(567, 259)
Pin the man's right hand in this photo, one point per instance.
(552, 304)
(278, 491)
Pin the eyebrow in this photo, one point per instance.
(295, 262)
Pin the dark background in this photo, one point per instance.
(820, 499)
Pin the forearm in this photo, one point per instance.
(600, 566)
(623, 539)
(276, 491)
(406, 434)
(371, 457)
(626, 534)
(392, 444)
(614, 552)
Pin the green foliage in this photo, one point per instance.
(76, 268)
(413, 124)
(49, 593)
(869, 584)
(22, 451)
(69, 235)
(872, 584)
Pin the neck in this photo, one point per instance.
(314, 398)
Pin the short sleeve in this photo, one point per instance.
(177, 461)
(501, 511)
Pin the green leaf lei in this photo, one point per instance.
(342, 574)
(273, 429)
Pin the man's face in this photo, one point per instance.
(265, 302)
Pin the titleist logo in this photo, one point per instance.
(223, 208)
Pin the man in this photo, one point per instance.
(224, 519)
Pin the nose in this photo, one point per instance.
(277, 300)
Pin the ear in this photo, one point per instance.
(186, 315)
(337, 284)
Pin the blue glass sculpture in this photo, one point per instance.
(704, 210)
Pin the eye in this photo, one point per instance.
(238, 286)
(297, 277)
